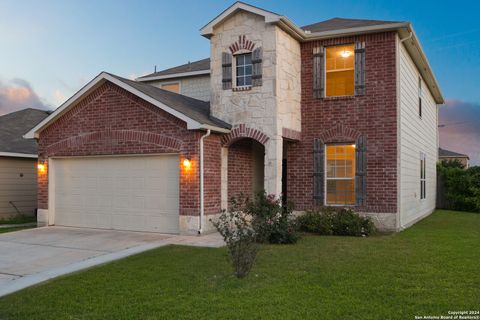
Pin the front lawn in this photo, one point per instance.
(18, 219)
(5, 230)
(429, 269)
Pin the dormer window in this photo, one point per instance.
(244, 69)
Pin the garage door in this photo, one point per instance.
(124, 193)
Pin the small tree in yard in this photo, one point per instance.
(239, 235)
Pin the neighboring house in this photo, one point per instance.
(191, 79)
(447, 155)
(340, 113)
(18, 163)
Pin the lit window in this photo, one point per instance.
(174, 87)
(244, 70)
(340, 174)
(340, 70)
(423, 174)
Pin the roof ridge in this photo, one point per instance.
(188, 64)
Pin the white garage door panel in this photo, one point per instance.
(124, 193)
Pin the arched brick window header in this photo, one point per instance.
(243, 131)
(242, 44)
(339, 133)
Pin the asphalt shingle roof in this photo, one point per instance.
(448, 153)
(14, 125)
(342, 23)
(200, 65)
(197, 110)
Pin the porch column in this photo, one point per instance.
(273, 166)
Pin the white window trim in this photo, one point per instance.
(326, 177)
(325, 71)
(423, 180)
(420, 97)
(234, 72)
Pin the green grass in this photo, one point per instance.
(5, 230)
(18, 219)
(428, 269)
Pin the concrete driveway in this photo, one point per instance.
(28, 257)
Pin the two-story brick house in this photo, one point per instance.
(341, 112)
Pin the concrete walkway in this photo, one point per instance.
(28, 257)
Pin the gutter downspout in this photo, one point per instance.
(202, 196)
(406, 38)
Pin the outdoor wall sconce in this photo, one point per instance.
(41, 166)
(186, 163)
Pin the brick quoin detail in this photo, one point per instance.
(242, 131)
(112, 121)
(344, 119)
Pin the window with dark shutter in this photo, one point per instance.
(226, 70)
(318, 72)
(257, 67)
(361, 171)
(360, 68)
(318, 172)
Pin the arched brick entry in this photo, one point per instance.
(242, 131)
(245, 168)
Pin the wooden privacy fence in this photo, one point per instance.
(441, 198)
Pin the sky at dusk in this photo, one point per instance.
(50, 49)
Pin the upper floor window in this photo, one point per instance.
(420, 94)
(423, 176)
(244, 69)
(340, 70)
(174, 87)
(340, 174)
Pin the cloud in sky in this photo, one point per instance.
(18, 94)
(461, 132)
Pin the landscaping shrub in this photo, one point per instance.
(335, 221)
(239, 235)
(272, 221)
(461, 187)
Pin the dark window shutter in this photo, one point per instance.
(318, 72)
(226, 70)
(257, 67)
(361, 171)
(359, 68)
(318, 172)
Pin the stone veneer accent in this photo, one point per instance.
(343, 119)
(267, 108)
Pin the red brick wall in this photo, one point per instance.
(373, 115)
(212, 178)
(240, 168)
(112, 121)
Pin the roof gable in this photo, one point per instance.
(450, 154)
(269, 16)
(195, 113)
